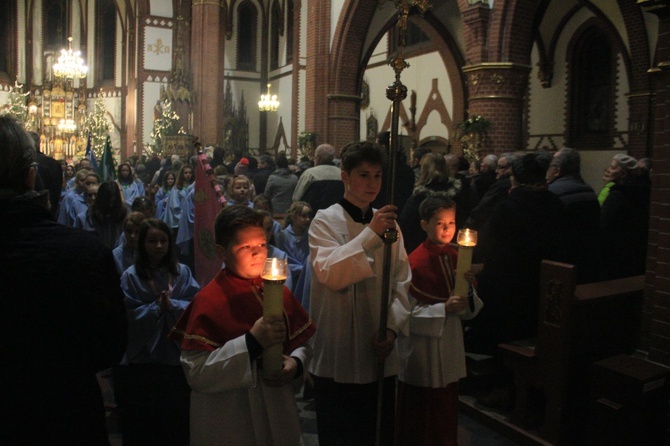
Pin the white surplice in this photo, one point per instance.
(346, 261)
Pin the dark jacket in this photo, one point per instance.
(483, 182)
(523, 229)
(51, 173)
(261, 179)
(64, 321)
(624, 225)
(581, 219)
(495, 193)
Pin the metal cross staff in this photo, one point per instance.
(396, 92)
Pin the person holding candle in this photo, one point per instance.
(432, 357)
(346, 252)
(223, 334)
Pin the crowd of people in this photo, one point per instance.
(186, 361)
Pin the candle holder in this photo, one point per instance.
(274, 274)
(467, 240)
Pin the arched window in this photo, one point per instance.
(7, 39)
(275, 24)
(289, 31)
(105, 40)
(592, 90)
(56, 29)
(247, 20)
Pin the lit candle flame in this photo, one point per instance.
(466, 237)
(275, 269)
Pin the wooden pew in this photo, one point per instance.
(577, 325)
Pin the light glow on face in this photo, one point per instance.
(441, 227)
(246, 254)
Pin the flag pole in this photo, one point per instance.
(396, 93)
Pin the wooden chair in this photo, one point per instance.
(577, 325)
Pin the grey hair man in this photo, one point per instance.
(496, 192)
(487, 175)
(320, 185)
(581, 212)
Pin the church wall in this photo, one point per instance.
(547, 106)
(424, 69)
(161, 8)
(156, 47)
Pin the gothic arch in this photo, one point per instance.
(347, 71)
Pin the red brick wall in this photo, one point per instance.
(207, 50)
(657, 319)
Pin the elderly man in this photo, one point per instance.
(581, 214)
(487, 175)
(498, 190)
(321, 185)
(66, 318)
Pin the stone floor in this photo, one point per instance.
(470, 432)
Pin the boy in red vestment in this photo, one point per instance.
(223, 334)
(432, 357)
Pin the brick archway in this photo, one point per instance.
(342, 75)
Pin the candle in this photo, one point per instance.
(274, 274)
(467, 240)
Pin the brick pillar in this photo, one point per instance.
(207, 51)
(343, 119)
(496, 91)
(317, 69)
(476, 21)
(656, 317)
(640, 125)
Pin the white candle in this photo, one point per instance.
(274, 274)
(467, 240)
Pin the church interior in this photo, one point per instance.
(265, 77)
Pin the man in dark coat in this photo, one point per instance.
(495, 193)
(266, 166)
(523, 229)
(581, 213)
(64, 314)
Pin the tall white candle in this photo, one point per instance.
(467, 240)
(274, 274)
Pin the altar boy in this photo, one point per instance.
(346, 251)
(222, 336)
(432, 357)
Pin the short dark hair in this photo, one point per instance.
(419, 152)
(434, 203)
(530, 169)
(358, 152)
(16, 156)
(233, 219)
(143, 203)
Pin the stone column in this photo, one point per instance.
(207, 51)
(496, 91)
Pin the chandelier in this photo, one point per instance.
(67, 126)
(70, 65)
(268, 103)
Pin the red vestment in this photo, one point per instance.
(433, 272)
(425, 415)
(227, 308)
